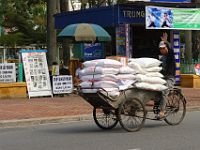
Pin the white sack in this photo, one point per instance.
(98, 70)
(126, 77)
(153, 69)
(99, 77)
(154, 74)
(125, 84)
(105, 84)
(103, 63)
(154, 80)
(85, 84)
(150, 86)
(126, 70)
(135, 66)
(99, 84)
(146, 62)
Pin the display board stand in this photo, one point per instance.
(36, 73)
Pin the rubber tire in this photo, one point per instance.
(121, 113)
(183, 103)
(105, 126)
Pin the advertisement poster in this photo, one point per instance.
(62, 84)
(121, 40)
(7, 72)
(172, 18)
(93, 51)
(36, 73)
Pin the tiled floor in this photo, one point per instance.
(43, 107)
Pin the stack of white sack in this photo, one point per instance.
(148, 73)
(126, 77)
(100, 74)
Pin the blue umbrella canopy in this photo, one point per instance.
(85, 32)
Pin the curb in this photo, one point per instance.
(51, 120)
(194, 108)
(40, 121)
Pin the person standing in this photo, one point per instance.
(64, 70)
(152, 20)
(166, 21)
(168, 70)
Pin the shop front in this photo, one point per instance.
(126, 24)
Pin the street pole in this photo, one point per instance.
(4, 54)
(188, 45)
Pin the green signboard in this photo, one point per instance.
(187, 18)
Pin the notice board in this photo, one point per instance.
(36, 73)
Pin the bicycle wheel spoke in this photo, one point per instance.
(105, 119)
(132, 115)
(175, 108)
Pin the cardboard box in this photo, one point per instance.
(190, 80)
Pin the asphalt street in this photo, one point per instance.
(85, 135)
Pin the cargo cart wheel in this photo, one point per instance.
(105, 118)
(132, 115)
(175, 107)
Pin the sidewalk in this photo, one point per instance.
(21, 112)
(18, 112)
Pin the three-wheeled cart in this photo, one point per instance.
(133, 106)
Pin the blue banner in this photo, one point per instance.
(129, 14)
(93, 51)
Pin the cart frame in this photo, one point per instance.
(130, 108)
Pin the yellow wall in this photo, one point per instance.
(13, 90)
(190, 80)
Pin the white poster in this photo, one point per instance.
(62, 84)
(7, 72)
(36, 73)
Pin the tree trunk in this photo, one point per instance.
(64, 6)
(51, 32)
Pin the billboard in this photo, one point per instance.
(172, 18)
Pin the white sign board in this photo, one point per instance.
(7, 72)
(36, 73)
(62, 84)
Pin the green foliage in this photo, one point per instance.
(10, 40)
(98, 3)
(26, 19)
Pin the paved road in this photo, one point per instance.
(85, 135)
